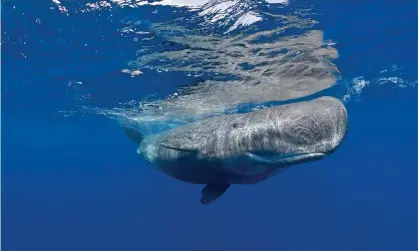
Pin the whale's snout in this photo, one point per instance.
(316, 126)
(334, 121)
(308, 130)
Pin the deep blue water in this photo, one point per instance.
(76, 183)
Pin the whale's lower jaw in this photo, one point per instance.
(270, 165)
(284, 159)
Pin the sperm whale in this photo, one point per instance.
(245, 148)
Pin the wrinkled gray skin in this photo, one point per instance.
(246, 148)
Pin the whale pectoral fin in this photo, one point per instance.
(133, 134)
(213, 191)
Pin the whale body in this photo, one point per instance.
(245, 148)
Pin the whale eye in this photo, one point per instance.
(234, 125)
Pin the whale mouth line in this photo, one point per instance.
(279, 159)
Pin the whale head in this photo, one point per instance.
(293, 133)
(286, 134)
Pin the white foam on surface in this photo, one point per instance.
(60, 6)
(192, 4)
(245, 20)
(359, 84)
(232, 13)
(218, 8)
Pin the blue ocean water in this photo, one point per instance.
(71, 180)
